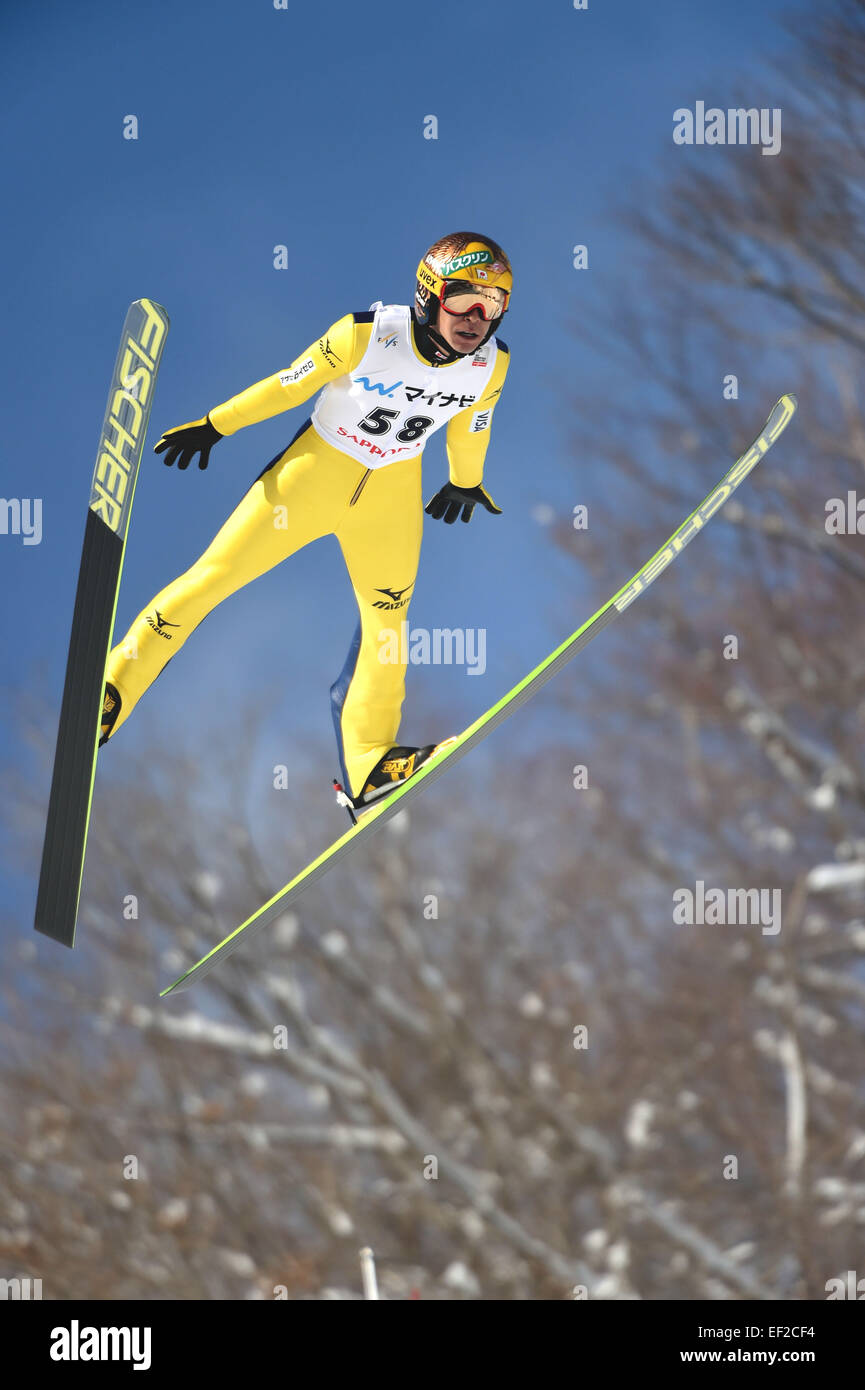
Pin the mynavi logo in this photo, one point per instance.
(76, 1343)
(396, 597)
(126, 419)
(160, 624)
(368, 385)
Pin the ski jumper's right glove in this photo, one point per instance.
(450, 500)
(185, 441)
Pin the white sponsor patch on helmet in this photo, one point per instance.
(296, 373)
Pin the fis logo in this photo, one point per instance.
(396, 597)
(126, 416)
(160, 624)
(389, 340)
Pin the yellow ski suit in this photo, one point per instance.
(314, 489)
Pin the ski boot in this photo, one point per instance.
(110, 711)
(397, 765)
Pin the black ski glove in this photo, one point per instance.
(448, 502)
(185, 441)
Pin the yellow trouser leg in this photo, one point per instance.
(297, 500)
(380, 538)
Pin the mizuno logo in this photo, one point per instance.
(327, 351)
(396, 595)
(160, 624)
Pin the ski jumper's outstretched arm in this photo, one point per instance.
(336, 352)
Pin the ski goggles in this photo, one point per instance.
(460, 297)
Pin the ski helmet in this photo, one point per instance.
(451, 262)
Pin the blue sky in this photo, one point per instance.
(304, 127)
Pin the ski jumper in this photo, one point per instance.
(354, 471)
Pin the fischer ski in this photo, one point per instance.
(519, 695)
(120, 446)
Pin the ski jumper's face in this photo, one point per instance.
(462, 332)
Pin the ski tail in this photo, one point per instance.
(120, 446)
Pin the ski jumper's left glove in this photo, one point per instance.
(185, 441)
(447, 504)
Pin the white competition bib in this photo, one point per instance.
(387, 408)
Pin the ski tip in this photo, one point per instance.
(146, 303)
(781, 414)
